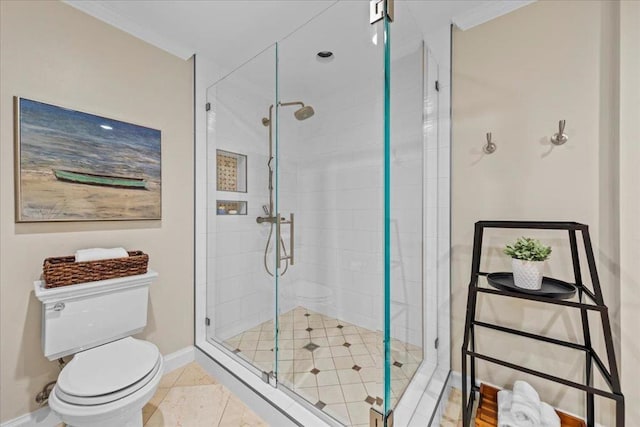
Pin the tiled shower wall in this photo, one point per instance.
(409, 285)
(340, 203)
(240, 295)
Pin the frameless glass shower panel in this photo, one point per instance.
(240, 254)
(330, 160)
(407, 303)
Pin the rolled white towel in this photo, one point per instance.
(525, 405)
(505, 418)
(548, 416)
(94, 254)
(504, 400)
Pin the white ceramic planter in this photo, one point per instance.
(527, 274)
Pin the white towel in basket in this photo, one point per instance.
(94, 254)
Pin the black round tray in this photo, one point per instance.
(552, 288)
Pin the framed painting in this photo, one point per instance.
(76, 166)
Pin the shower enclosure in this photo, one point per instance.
(316, 275)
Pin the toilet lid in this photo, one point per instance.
(108, 368)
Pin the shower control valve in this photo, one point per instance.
(269, 219)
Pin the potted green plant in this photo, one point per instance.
(528, 258)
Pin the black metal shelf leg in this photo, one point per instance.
(468, 326)
(573, 241)
(620, 411)
(604, 314)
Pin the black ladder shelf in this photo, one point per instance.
(470, 355)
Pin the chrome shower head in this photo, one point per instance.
(265, 121)
(304, 113)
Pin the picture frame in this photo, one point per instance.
(72, 165)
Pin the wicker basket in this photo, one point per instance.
(64, 271)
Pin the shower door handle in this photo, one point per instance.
(279, 222)
(291, 239)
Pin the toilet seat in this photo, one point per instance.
(109, 372)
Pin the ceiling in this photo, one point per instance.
(229, 32)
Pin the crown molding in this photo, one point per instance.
(487, 11)
(100, 9)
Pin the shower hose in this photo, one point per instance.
(266, 252)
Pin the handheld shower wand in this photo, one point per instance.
(303, 113)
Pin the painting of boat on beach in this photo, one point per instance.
(75, 166)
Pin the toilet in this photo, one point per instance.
(111, 375)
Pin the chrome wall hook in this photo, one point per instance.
(490, 147)
(560, 137)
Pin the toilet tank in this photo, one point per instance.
(86, 315)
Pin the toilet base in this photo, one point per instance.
(132, 421)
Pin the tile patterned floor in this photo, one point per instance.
(333, 364)
(452, 416)
(189, 396)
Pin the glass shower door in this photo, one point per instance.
(240, 230)
(330, 189)
(410, 296)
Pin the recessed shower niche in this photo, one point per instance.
(231, 207)
(231, 171)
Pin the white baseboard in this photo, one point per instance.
(455, 380)
(43, 417)
(178, 359)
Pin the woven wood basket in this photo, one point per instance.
(64, 271)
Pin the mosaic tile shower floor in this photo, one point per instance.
(333, 364)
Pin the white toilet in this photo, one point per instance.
(112, 375)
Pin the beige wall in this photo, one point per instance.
(630, 204)
(54, 53)
(516, 77)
